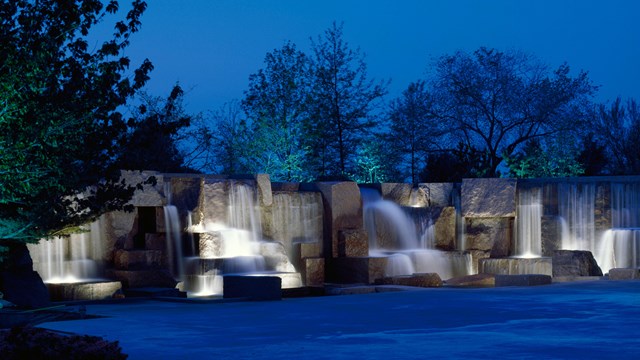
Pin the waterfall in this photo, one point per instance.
(174, 240)
(576, 207)
(243, 213)
(297, 217)
(528, 223)
(70, 259)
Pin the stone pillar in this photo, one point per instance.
(342, 210)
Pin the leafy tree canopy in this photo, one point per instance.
(59, 124)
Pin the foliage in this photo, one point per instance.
(371, 166)
(342, 98)
(230, 140)
(154, 132)
(36, 343)
(412, 131)
(276, 104)
(497, 101)
(454, 165)
(536, 160)
(59, 124)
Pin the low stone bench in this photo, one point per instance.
(522, 280)
(252, 287)
(624, 274)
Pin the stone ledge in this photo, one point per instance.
(253, 287)
(477, 280)
(624, 274)
(416, 280)
(98, 290)
(522, 280)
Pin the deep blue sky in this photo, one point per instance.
(212, 46)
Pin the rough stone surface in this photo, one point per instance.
(624, 274)
(307, 250)
(143, 278)
(210, 245)
(139, 259)
(353, 242)
(184, 193)
(150, 195)
(516, 266)
(575, 263)
(263, 184)
(523, 280)
(417, 280)
(400, 193)
(155, 242)
(313, 271)
(119, 229)
(342, 210)
(489, 234)
(477, 280)
(84, 291)
(550, 234)
(354, 270)
(445, 229)
(488, 198)
(437, 194)
(214, 201)
(253, 287)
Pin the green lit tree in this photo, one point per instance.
(276, 104)
(538, 160)
(60, 128)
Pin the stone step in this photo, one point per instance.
(143, 278)
(97, 290)
(140, 259)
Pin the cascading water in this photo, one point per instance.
(576, 207)
(620, 246)
(174, 241)
(528, 223)
(72, 259)
(297, 217)
(234, 245)
(408, 242)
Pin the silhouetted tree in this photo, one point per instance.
(59, 122)
(342, 100)
(412, 131)
(229, 152)
(618, 129)
(154, 135)
(497, 101)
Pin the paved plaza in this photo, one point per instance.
(582, 320)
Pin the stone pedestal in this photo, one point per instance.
(312, 271)
(353, 242)
(253, 287)
(522, 280)
(575, 263)
(342, 210)
(417, 280)
(624, 274)
(356, 270)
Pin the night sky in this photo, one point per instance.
(212, 46)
